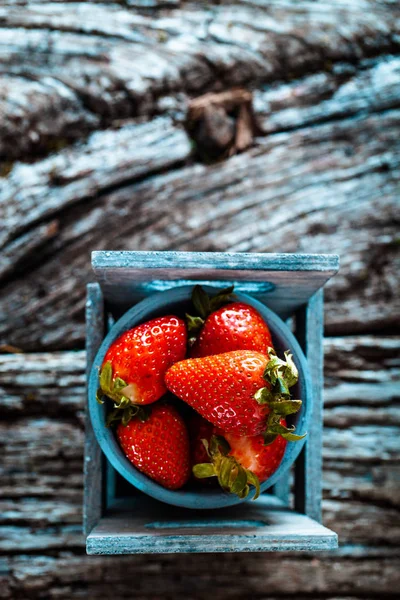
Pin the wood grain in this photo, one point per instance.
(234, 205)
(84, 65)
(322, 177)
(38, 508)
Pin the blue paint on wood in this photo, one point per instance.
(93, 460)
(286, 281)
(264, 526)
(207, 524)
(202, 261)
(308, 472)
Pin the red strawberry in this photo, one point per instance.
(135, 364)
(243, 392)
(251, 453)
(236, 326)
(159, 446)
(240, 461)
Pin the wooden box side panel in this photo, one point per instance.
(308, 467)
(93, 460)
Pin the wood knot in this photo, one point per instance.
(222, 124)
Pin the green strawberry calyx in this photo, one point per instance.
(280, 375)
(232, 477)
(204, 305)
(124, 410)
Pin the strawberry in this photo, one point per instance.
(236, 326)
(242, 392)
(159, 446)
(240, 461)
(135, 364)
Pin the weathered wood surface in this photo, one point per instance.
(117, 62)
(94, 154)
(41, 515)
(327, 137)
(234, 205)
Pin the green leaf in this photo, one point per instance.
(206, 446)
(122, 402)
(204, 305)
(244, 492)
(194, 324)
(292, 437)
(290, 374)
(269, 437)
(126, 415)
(223, 297)
(285, 407)
(219, 445)
(263, 396)
(225, 472)
(100, 396)
(204, 470)
(141, 412)
(281, 375)
(201, 301)
(279, 428)
(119, 384)
(113, 417)
(253, 479)
(286, 432)
(239, 482)
(106, 377)
(284, 369)
(280, 388)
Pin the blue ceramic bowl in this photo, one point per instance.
(177, 301)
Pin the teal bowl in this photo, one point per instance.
(177, 301)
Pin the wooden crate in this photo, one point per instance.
(118, 519)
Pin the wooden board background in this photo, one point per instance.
(94, 156)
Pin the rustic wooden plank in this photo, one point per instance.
(40, 456)
(343, 91)
(25, 539)
(308, 467)
(43, 384)
(157, 577)
(113, 62)
(361, 471)
(241, 205)
(42, 116)
(93, 458)
(77, 174)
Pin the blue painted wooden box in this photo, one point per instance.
(118, 519)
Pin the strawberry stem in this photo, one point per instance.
(111, 388)
(280, 375)
(204, 305)
(232, 477)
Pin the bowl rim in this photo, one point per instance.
(139, 313)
